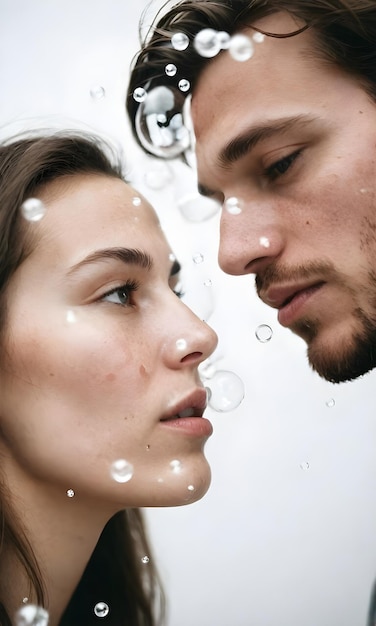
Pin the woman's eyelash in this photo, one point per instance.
(280, 167)
(122, 290)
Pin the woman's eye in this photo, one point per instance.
(121, 295)
(282, 166)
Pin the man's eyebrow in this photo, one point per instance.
(129, 256)
(248, 140)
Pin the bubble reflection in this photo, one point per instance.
(101, 609)
(31, 615)
(241, 48)
(263, 333)
(180, 41)
(206, 43)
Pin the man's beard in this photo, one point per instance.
(355, 355)
(346, 362)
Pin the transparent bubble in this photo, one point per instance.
(101, 609)
(264, 242)
(170, 69)
(196, 208)
(208, 283)
(33, 209)
(223, 39)
(31, 615)
(226, 391)
(181, 344)
(158, 175)
(258, 37)
(191, 487)
(304, 466)
(232, 206)
(140, 94)
(198, 258)
(180, 41)
(264, 333)
(206, 43)
(241, 48)
(330, 403)
(70, 493)
(121, 471)
(136, 201)
(97, 92)
(145, 559)
(159, 122)
(175, 465)
(184, 84)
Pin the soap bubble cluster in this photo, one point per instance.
(31, 615)
(121, 471)
(101, 609)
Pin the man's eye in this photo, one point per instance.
(121, 295)
(282, 166)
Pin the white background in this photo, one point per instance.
(271, 543)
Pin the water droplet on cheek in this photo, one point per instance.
(264, 242)
(176, 466)
(232, 206)
(70, 493)
(121, 471)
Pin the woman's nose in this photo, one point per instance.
(248, 244)
(190, 340)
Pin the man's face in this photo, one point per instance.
(293, 140)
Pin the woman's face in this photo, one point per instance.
(101, 356)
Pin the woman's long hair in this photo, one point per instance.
(115, 573)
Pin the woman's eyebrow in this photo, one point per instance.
(128, 256)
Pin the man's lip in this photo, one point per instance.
(281, 296)
(196, 400)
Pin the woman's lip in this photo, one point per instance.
(287, 314)
(193, 426)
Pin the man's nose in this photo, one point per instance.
(248, 242)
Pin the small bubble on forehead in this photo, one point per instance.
(101, 609)
(263, 333)
(97, 92)
(33, 209)
(241, 48)
(184, 85)
(121, 470)
(206, 43)
(170, 69)
(223, 39)
(180, 41)
(181, 344)
(136, 201)
(139, 94)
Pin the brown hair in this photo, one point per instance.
(345, 35)
(115, 573)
